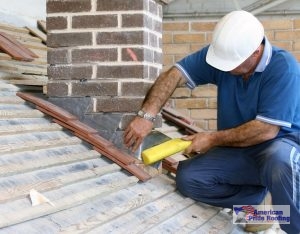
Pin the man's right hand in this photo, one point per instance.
(136, 131)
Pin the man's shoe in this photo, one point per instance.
(261, 227)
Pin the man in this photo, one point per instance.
(256, 148)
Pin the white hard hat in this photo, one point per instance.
(236, 36)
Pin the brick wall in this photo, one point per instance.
(103, 56)
(183, 37)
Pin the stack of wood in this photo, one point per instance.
(23, 54)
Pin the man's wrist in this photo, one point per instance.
(145, 115)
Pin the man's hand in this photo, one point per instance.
(201, 142)
(136, 131)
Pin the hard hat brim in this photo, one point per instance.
(220, 63)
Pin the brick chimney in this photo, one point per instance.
(103, 56)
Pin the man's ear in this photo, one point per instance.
(256, 53)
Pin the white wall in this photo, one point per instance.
(22, 12)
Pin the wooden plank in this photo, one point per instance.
(24, 128)
(28, 82)
(220, 223)
(36, 32)
(38, 78)
(37, 164)
(185, 221)
(42, 25)
(5, 85)
(39, 144)
(4, 56)
(22, 36)
(20, 114)
(147, 216)
(11, 100)
(22, 68)
(33, 45)
(21, 191)
(13, 28)
(38, 61)
(67, 202)
(110, 208)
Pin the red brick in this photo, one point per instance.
(134, 88)
(54, 6)
(175, 26)
(94, 55)
(94, 88)
(190, 103)
(69, 39)
(277, 24)
(176, 49)
(203, 26)
(120, 5)
(153, 40)
(189, 38)
(167, 38)
(153, 73)
(55, 23)
(118, 104)
(70, 72)
(130, 71)
(287, 35)
(181, 92)
(204, 114)
(117, 38)
(141, 54)
(205, 91)
(136, 20)
(137, 54)
(58, 56)
(95, 21)
(57, 89)
(296, 24)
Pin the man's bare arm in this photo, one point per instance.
(162, 89)
(251, 133)
(248, 134)
(156, 97)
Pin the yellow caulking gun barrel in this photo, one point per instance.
(164, 150)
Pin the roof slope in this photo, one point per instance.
(89, 192)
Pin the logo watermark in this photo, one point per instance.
(261, 214)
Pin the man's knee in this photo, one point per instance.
(190, 181)
(183, 179)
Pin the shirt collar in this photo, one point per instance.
(266, 56)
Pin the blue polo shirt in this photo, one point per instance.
(271, 94)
